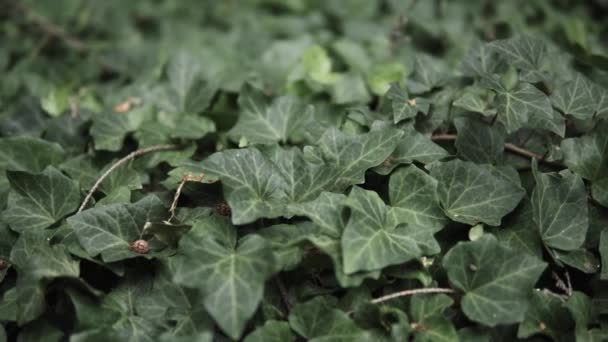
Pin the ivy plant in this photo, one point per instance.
(290, 170)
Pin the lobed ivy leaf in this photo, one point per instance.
(471, 193)
(496, 280)
(559, 202)
(39, 200)
(376, 237)
(109, 230)
(230, 275)
(575, 98)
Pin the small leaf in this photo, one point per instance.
(587, 156)
(479, 142)
(575, 98)
(497, 281)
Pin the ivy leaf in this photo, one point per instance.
(39, 200)
(519, 105)
(428, 319)
(28, 154)
(481, 60)
(324, 211)
(428, 74)
(476, 100)
(559, 201)
(351, 155)
(524, 52)
(412, 195)
(261, 123)
(230, 276)
(520, 233)
(575, 98)
(251, 183)
(404, 107)
(109, 230)
(412, 147)
(375, 238)
(497, 281)
(109, 129)
(546, 315)
(587, 156)
(317, 320)
(271, 331)
(479, 142)
(471, 193)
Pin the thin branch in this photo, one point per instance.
(51, 29)
(125, 159)
(508, 147)
(410, 293)
(283, 293)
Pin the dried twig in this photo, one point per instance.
(125, 159)
(508, 147)
(410, 293)
(178, 191)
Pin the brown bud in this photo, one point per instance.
(3, 264)
(223, 209)
(140, 247)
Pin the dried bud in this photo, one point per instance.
(3, 264)
(223, 209)
(140, 247)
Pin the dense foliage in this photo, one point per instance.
(294, 162)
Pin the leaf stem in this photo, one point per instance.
(508, 147)
(411, 293)
(121, 161)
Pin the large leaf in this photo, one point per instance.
(39, 200)
(260, 123)
(496, 280)
(28, 154)
(587, 156)
(471, 193)
(109, 230)
(317, 320)
(412, 195)
(575, 98)
(230, 275)
(252, 185)
(375, 237)
(559, 201)
(524, 52)
(519, 105)
(412, 147)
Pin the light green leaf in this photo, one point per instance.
(559, 201)
(325, 212)
(271, 331)
(109, 230)
(497, 281)
(230, 277)
(39, 200)
(56, 101)
(476, 100)
(479, 142)
(412, 195)
(381, 76)
(471, 193)
(261, 123)
(375, 237)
